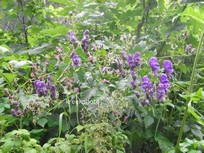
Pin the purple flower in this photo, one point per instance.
(137, 93)
(53, 92)
(40, 88)
(13, 111)
(124, 55)
(85, 42)
(134, 60)
(154, 65)
(16, 104)
(131, 62)
(161, 91)
(76, 61)
(137, 59)
(72, 38)
(133, 83)
(147, 86)
(168, 67)
(164, 80)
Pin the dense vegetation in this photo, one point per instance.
(101, 76)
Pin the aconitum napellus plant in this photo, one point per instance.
(151, 90)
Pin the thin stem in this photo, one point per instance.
(158, 123)
(190, 89)
(77, 110)
(21, 124)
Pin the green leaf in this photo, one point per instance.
(79, 128)
(198, 116)
(36, 50)
(57, 31)
(164, 143)
(148, 120)
(42, 122)
(194, 13)
(198, 95)
(9, 77)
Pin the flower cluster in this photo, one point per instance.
(147, 86)
(150, 89)
(154, 64)
(134, 60)
(16, 111)
(76, 61)
(72, 38)
(85, 42)
(163, 87)
(42, 88)
(168, 67)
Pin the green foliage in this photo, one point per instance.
(95, 108)
(19, 141)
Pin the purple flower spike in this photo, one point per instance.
(164, 80)
(134, 60)
(137, 59)
(131, 62)
(40, 88)
(53, 92)
(153, 62)
(124, 55)
(161, 91)
(168, 67)
(72, 38)
(85, 42)
(76, 61)
(147, 86)
(133, 83)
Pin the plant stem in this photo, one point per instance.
(21, 125)
(158, 123)
(77, 110)
(190, 89)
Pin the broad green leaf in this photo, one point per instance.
(57, 31)
(79, 128)
(9, 77)
(42, 122)
(164, 143)
(36, 50)
(194, 13)
(148, 120)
